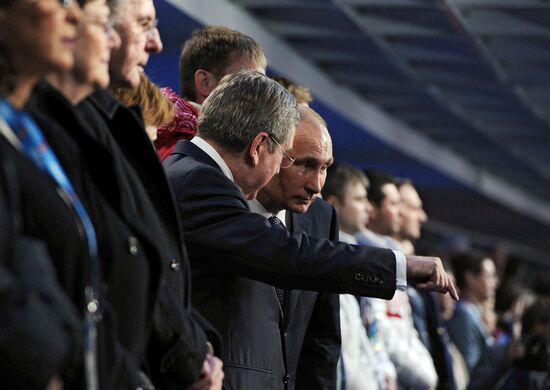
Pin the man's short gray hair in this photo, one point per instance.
(243, 105)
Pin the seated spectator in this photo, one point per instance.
(532, 370)
(476, 277)
(459, 369)
(510, 302)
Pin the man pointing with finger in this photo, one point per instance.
(246, 126)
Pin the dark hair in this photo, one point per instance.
(470, 261)
(537, 313)
(212, 48)
(377, 180)
(339, 177)
(7, 71)
(507, 293)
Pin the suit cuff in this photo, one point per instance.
(400, 270)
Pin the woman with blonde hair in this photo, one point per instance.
(156, 108)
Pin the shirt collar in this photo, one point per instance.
(347, 238)
(214, 155)
(258, 208)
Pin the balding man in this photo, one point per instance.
(307, 325)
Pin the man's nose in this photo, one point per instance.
(313, 184)
(154, 43)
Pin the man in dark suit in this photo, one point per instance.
(309, 326)
(244, 127)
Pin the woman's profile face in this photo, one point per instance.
(96, 39)
(39, 35)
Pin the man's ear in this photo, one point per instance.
(205, 82)
(258, 143)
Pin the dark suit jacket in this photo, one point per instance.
(313, 321)
(128, 209)
(234, 251)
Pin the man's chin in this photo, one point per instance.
(300, 207)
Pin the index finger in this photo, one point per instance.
(452, 291)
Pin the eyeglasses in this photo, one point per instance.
(289, 159)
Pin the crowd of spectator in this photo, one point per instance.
(208, 239)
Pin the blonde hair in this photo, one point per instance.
(301, 93)
(157, 109)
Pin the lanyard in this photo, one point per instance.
(32, 143)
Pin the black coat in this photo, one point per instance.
(178, 347)
(40, 328)
(144, 262)
(234, 252)
(130, 273)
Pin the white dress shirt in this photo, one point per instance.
(214, 155)
(258, 208)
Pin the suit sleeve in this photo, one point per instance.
(178, 344)
(220, 230)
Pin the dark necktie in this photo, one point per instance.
(276, 222)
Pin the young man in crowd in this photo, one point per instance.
(228, 51)
(394, 321)
(426, 311)
(360, 361)
(476, 277)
